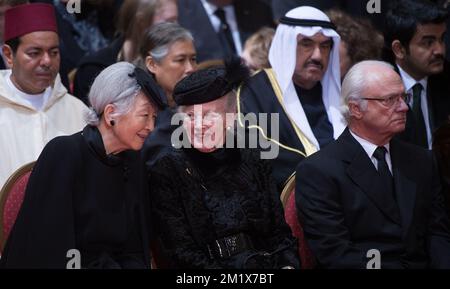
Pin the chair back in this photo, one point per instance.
(12, 194)
(290, 215)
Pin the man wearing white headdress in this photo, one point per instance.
(303, 87)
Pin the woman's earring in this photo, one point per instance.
(112, 122)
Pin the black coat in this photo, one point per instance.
(251, 15)
(258, 96)
(198, 198)
(80, 198)
(345, 213)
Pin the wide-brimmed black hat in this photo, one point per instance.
(208, 84)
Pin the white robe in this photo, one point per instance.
(24, 131)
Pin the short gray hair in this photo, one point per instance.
(160, 37)
(112, 86)
(356, 81)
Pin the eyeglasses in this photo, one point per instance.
(391, 100)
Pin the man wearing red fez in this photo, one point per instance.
(34, 105)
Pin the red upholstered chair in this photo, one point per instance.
(290, 214)
(12, 195)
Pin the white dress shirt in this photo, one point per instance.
(231, 19)
(370, 148)
(409, 82)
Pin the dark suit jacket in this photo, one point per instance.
(251, 15)
(438, 95)
(345, 212)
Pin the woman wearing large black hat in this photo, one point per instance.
(216, 205)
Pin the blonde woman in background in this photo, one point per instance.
(256, 49)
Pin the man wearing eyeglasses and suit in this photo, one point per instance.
(369, 191)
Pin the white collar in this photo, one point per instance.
(409, 81)
(37, 101)
(368, 147)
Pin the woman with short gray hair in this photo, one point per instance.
(168, 53)
(113, 87)
(85, 205)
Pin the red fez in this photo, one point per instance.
(27, 18)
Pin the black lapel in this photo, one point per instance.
(362, 171)
(404, 181)
(260, 99)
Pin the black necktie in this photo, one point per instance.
(225, 36)
(387, 182)
(383, 170)
(420, 129)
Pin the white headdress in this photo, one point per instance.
(307, 21)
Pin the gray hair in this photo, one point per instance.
(160, 37)
(356, 81)
(112, 86)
